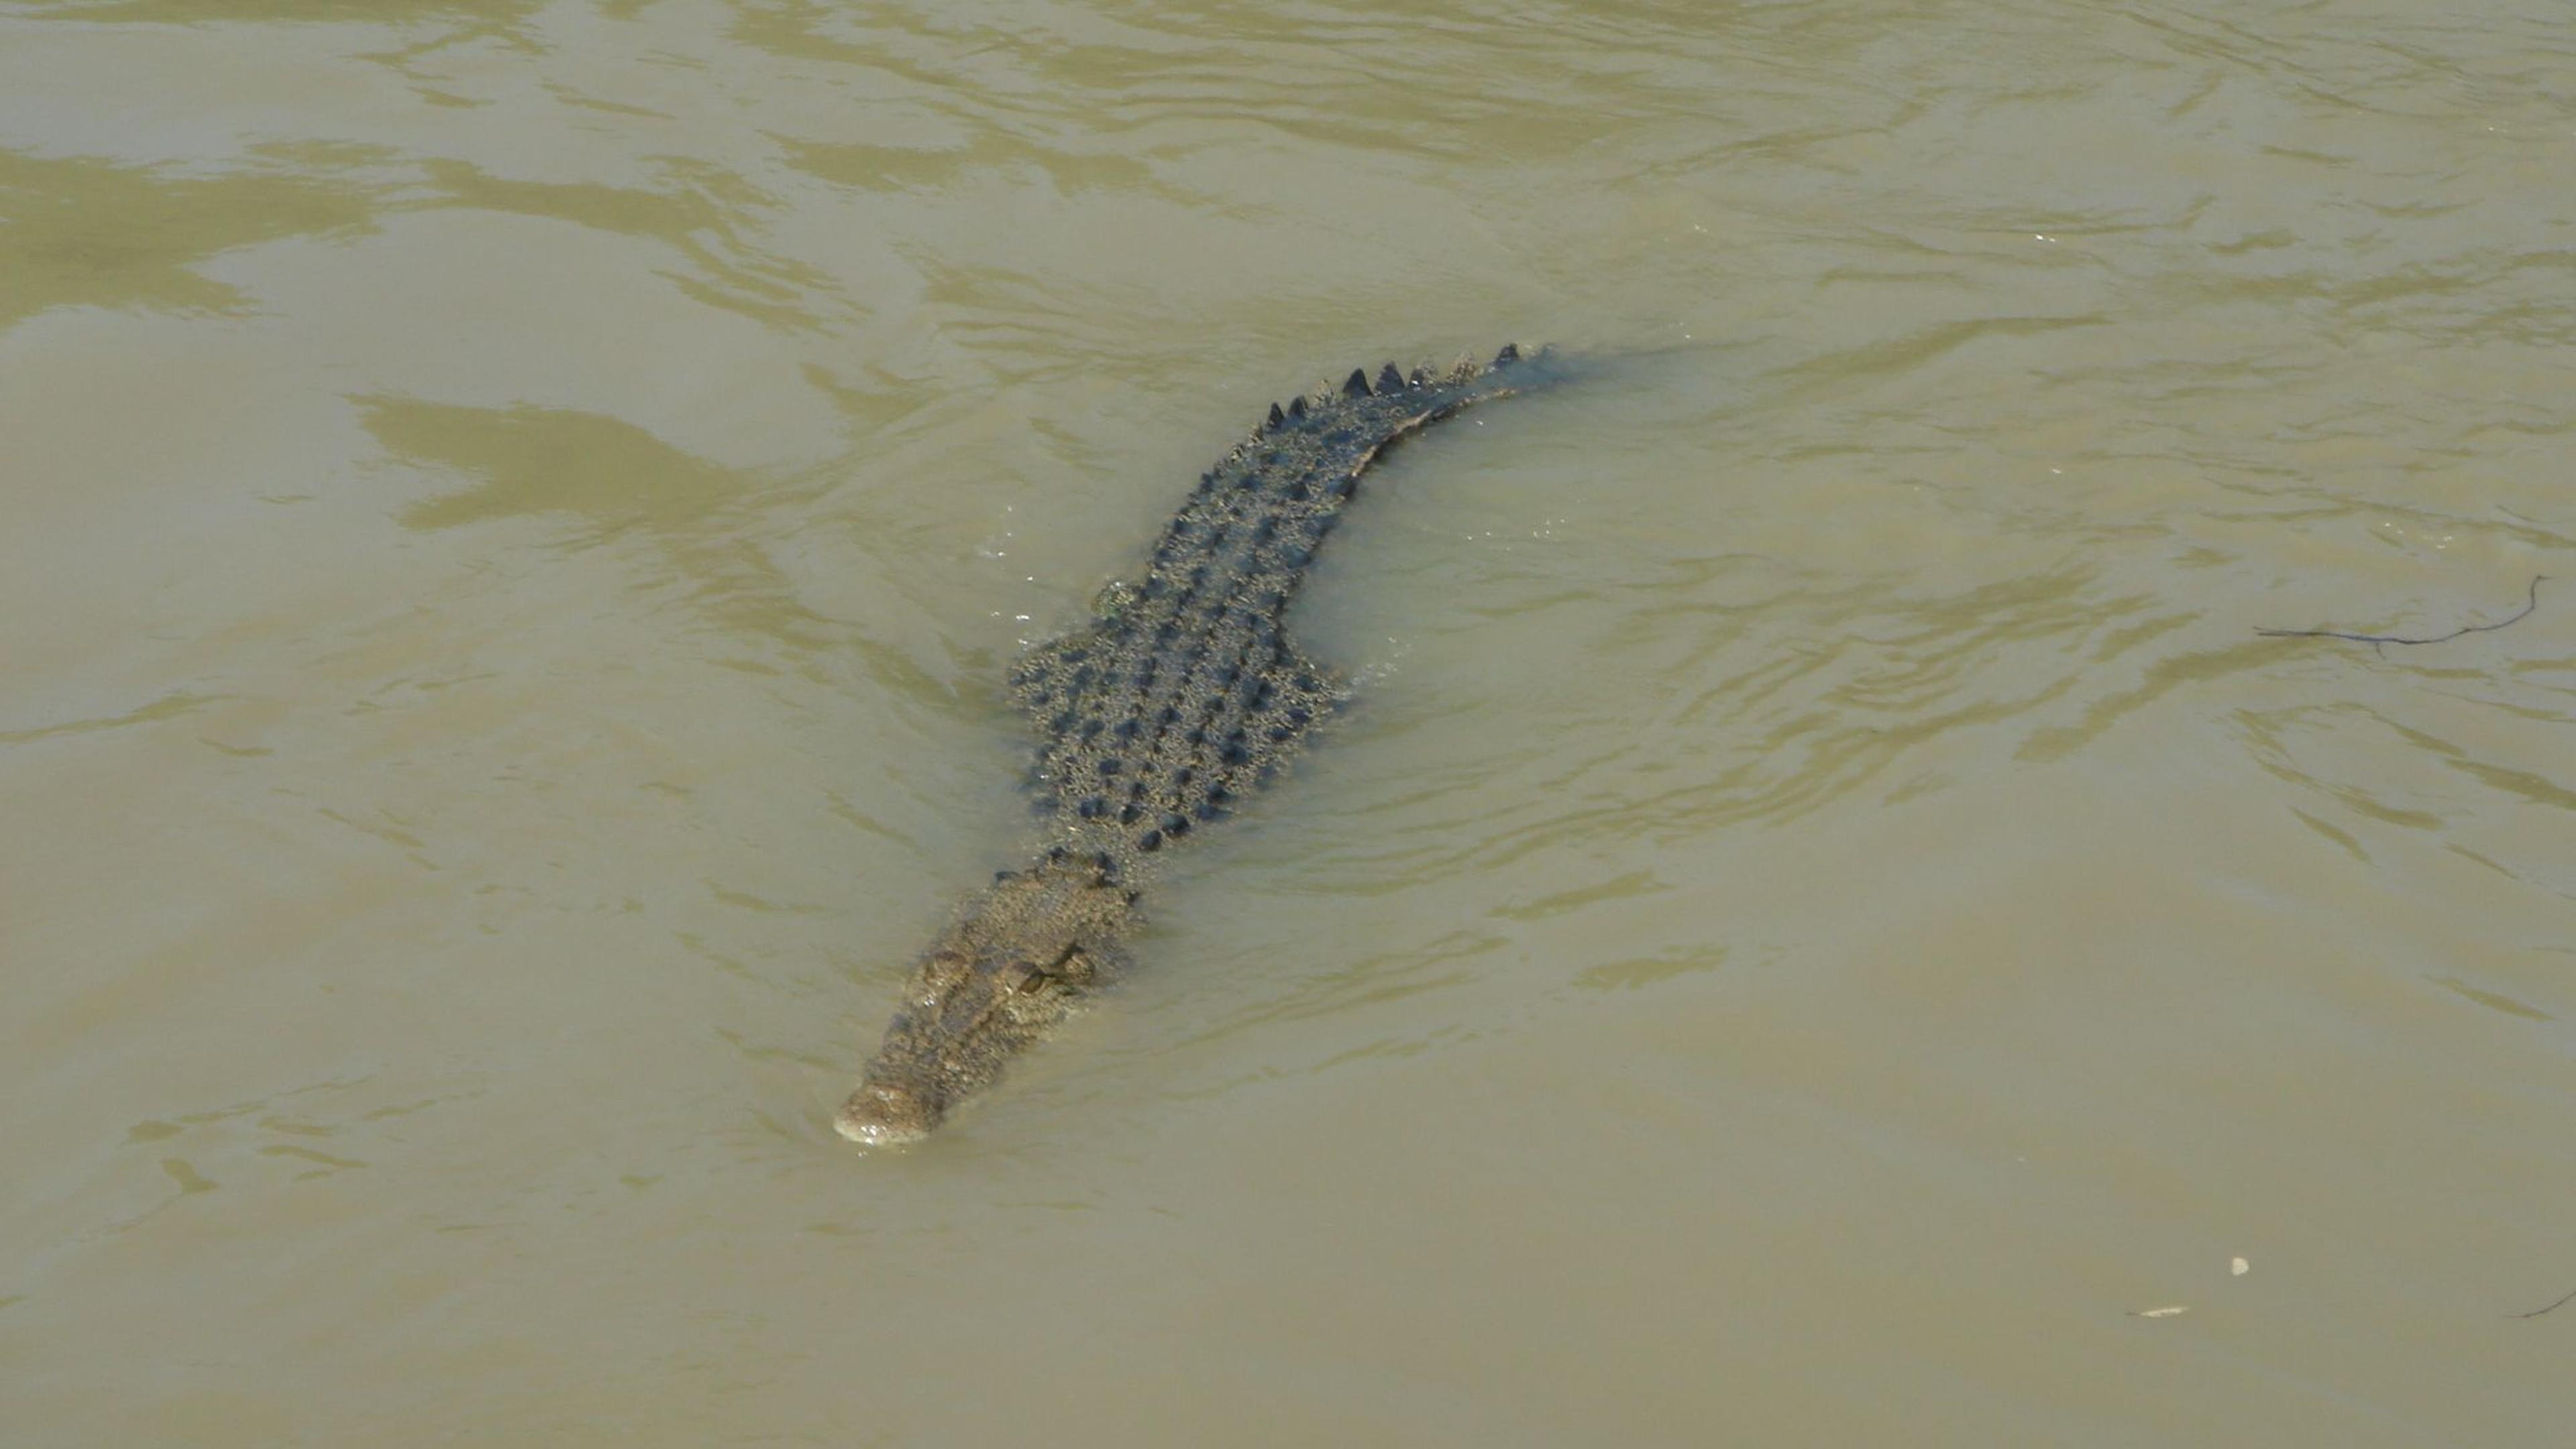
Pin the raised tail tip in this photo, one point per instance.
(1525, 365)
(1391, 379)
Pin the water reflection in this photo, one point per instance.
(86, 231)
(608, 480)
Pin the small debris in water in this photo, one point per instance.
(2531, 601)
(2561, 1303)
(2238, 1266)
(2170, 1310)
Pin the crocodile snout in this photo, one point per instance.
(881, 1114)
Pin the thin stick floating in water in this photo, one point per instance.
(2561, 1303)
(2531, 603)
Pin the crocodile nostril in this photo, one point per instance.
(881, 1114)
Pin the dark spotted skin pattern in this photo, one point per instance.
(1179, 700)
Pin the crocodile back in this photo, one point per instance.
(1185, 693)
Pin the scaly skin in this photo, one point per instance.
(1183, 696)
(1013, 965)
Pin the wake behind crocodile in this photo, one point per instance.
(1183, 696)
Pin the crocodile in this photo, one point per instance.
(1182, 697)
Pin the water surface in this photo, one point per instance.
(1822, 914)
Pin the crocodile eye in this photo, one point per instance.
(1037, 1001)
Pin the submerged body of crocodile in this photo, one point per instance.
(1181, 697)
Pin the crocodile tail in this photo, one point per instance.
(1467, 381)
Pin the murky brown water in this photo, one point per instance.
(1824, 912)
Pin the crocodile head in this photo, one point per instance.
(1016, 963)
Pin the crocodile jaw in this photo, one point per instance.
(1016, 963)
(966, 1023)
